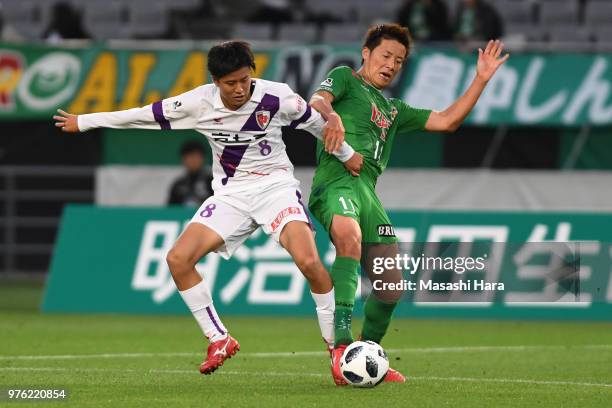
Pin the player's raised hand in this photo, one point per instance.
(66, 121)
(354, 164)
(489, 60)
(333, 133)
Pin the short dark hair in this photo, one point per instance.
(192, 146)
(228, 57)
(380, 32)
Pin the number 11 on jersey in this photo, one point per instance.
(345, 207)
(378, 150)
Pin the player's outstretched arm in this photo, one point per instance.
(146, 117)
(333, 132)
(489, 62)
(177, 112)
(66, 121)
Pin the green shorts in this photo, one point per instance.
(352, 197)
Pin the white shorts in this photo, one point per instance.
(237, 216)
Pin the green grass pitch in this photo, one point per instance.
(149, 361)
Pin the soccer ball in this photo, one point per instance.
(364, 364)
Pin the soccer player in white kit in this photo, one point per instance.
(253, 180)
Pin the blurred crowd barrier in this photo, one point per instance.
(553, 88)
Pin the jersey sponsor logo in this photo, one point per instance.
(386, 230)
(381, 121)
(262, 118)
(329, 82)
(282, 215)
(236, 138)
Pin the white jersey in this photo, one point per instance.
(247, 145)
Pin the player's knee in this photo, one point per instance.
(310, 265)
(346, 236)
(177, 261)
(348, 245)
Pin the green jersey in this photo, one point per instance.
(370, 120)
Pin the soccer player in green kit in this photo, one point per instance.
(347, 205)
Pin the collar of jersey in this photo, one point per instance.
(255, 96)
(367, 83)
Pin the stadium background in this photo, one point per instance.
(535, 157)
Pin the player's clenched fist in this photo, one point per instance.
(66, 121)
(354, 164)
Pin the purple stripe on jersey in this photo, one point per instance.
(230, 159)
(301, 120)
(158, 114)
(270, 104)
(299, 196)
(212, 318)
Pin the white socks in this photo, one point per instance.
(326, 305)
(199, 301)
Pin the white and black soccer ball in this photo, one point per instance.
(364, 364)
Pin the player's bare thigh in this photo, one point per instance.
(346, 236)
(196, 241)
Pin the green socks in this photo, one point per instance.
(377, 318)
(344, 275)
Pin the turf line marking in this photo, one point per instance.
(465, 349)
(88, 356)
(498, 348)
(224, 372)
(295, 374)
(441, 350)
(163, 371)
(511, 381)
